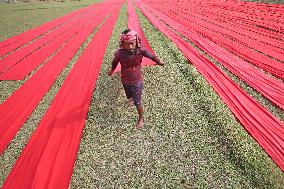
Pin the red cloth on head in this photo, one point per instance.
(130, 37)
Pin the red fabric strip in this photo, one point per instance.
(232, 33)
(270, 65)
(24, 52)
(249, 31)
(221, 15)
(19, 71)
(48, 159)
(23, 68)
(23, 38)
(266, 129)
(266, 85)
(17, 108)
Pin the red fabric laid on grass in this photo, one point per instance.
(15, 110)
(23, 68)
(248, 38)
(23, 53)
(267, 16)
(232, 24)
(226, 30)
(222, 15)
(48, 159)
(133, 23)
(266, 85)
(270, 65)
(266, 129)
(23, 38)
(19, 71)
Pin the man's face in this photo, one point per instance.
(129, 45)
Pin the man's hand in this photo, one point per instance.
(110, 73)
(161, 63)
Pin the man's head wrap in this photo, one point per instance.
(130, 36)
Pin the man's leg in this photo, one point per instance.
(137, 95)
(140, 111)
(128, 93)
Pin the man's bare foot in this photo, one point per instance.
(140, 123)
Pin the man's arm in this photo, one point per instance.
(114, 63)
(152, 57)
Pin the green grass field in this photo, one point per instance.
(190, 138)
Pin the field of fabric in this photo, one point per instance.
(213, 115)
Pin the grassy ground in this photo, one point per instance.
(190, 139)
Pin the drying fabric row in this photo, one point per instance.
(47, 160)
(266, 129)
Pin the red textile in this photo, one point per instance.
(17, 108)
(248, 38)
(260, 16)
(25, 37)
(48, 159)
(24, 52)
(22, 69)
(257, 58)
(245, 26)
(266, 129)
(266, 85)
(230, 20)
(26, 65)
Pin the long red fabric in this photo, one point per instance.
(15, 110)
(228, 29)
(24, 52)
(259, 59)
(266, 16)
(234, 33)
(266, 85)
(48, 159)
(268, 36)
(133, 23)
(209, 14)
(23, 68)
(25, 37)
(19, 71)
(266, 129)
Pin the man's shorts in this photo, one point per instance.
(134, 91)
